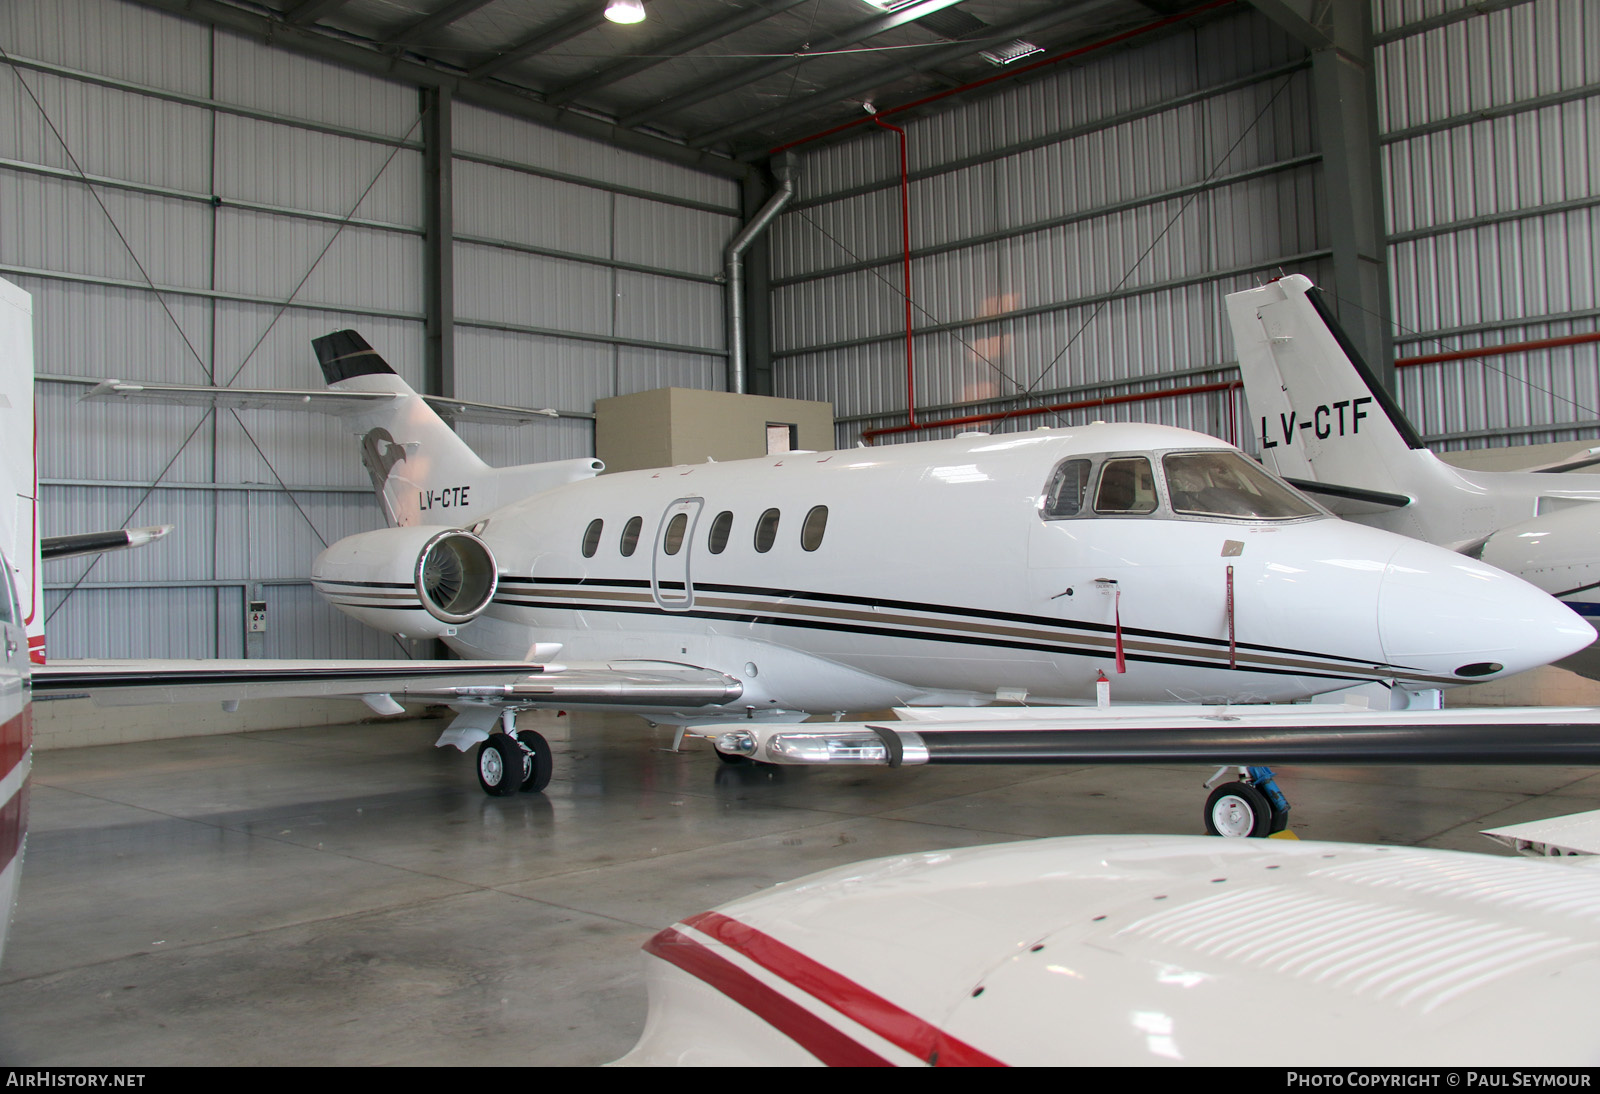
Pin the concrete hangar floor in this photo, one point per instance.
(347, 895)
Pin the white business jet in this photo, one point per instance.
(942, 574)
(1326, 425)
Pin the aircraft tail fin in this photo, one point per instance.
(1317, 410)
(422, 471)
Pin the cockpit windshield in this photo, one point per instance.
(1226, 484)
(1214, 484)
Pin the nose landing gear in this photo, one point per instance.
(1251, 806)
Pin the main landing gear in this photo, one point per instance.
(1252, 806)
(509, 761)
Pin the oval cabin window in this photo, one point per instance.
(767, 531)
(672, 542)
(816, 524)
(717, 541)
(591, 537)
(630, 536)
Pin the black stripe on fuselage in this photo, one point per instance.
(957, 639)
(791, 595)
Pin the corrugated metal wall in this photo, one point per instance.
(1491, 145)
(1074, 238)
(220, 172)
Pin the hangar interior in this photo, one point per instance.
(521, 204)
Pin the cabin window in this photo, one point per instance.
(1064, 496)
(1127, 485)
(816, 523)
(767, 531)
(672, 542)
(591, 537)
(630, 536)
(1225, 484)
(717, 540)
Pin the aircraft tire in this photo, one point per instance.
(541, 762)
(1236, 810)
(502, 765)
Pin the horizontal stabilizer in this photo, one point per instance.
(1350, 500)
(318, 401)
(1574, 834)
(94, 543)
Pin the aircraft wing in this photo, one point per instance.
(1303, 733)
(381, 684)
(322, 401)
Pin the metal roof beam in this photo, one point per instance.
(504, 99)
(540, 40)
(703, 35)
(876, 78)
(871, 28)
(309, 11)
(425, 26)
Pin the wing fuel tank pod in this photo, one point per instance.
(420, 582)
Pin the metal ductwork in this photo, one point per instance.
(784, 168)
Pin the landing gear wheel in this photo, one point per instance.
(1280, 821)
(1239, 809)
(502, 765)
(540, 761)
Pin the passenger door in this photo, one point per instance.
(671, 583)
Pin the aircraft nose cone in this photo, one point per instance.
(1452, 616)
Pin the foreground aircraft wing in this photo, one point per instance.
(1262, 735)
(323, 401)
(382, 684)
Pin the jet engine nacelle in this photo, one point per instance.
(419, 582)
(1556, 552)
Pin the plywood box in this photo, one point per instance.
(671, 426)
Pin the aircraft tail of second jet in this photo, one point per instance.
(1317, 410)
(423, 472)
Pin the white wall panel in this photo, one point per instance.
(671, 237)
(116, 39)
(492, 134)
(107, 132)
(499, 203)
(511, 287)
(314, 262)
(249, 74)
(319, 172)
(645, 370)
(57, 224)
(668, 309)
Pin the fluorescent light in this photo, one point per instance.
(1016, 51)
(928, 6)
(625, 11)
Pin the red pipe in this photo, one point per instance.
(905, 231)
(1111, 400)
(1233, 385)
(1013, 73)
(1496, 351)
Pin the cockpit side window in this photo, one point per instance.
(1127, 485)
(1064, 496)
(1226, 484)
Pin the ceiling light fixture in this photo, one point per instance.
(1016, 51)
(625, 11)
